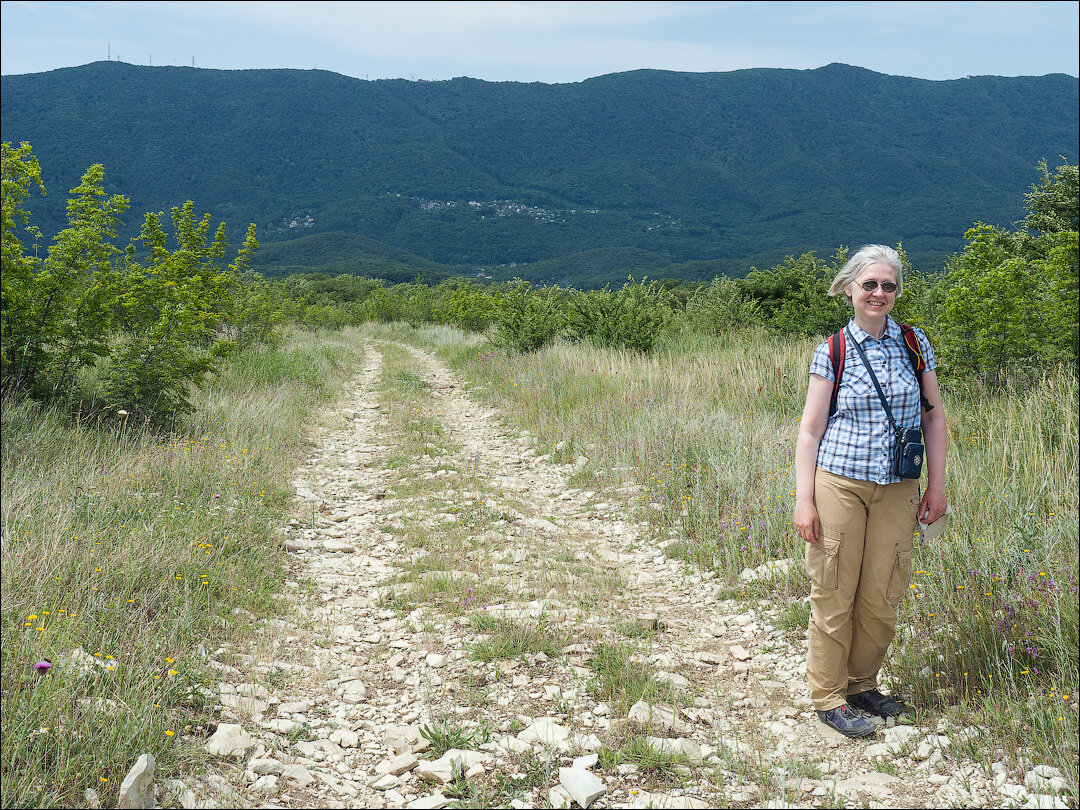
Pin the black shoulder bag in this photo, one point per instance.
(909, 441)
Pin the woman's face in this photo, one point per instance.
(874, 303)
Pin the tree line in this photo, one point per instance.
(133, 330)
(1006, 303)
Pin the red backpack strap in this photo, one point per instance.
(918, 361)
(837, 350)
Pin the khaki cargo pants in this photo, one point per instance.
(859, 569)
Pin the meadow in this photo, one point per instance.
(129, 555)
(145, 551)
(708, 424)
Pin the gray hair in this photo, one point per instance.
(863, 258)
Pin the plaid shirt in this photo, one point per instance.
(858, 442)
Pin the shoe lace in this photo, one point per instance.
(848, 713)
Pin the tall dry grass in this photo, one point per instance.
(708, 425)
(136, 548)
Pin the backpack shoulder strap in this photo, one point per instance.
(837, 350)
(918, 362)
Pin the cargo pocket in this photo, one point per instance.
(900, 578)
(821, 559)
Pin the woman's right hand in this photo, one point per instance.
(807, 524)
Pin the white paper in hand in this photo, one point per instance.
(930, 531)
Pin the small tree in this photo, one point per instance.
(253, 312)
(793, 297)
(632, 317)
(1012, 299)
(528, 319)
(57, 310)
(168, 311)
(722, 306)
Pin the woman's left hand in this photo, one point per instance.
(933, 505)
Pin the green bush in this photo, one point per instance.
(793, 297)
(721, 307)
(528, 319)
(1011, 303)
(631, 318)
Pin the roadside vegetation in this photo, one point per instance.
(155, 401)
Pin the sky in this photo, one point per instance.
(551, 42)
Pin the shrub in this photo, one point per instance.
(631, 318)
(528, 319)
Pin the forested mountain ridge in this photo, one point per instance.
(687, 166)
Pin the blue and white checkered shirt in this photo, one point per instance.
(858, 442)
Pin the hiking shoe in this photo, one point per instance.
(873, 702)
(847, 721)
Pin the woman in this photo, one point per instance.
(856, 515)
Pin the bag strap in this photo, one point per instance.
(837, 351)
(918, 362)
(877, 385)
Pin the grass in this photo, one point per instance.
(512, 639)
(136, 547)
(109, 532)
(445, 736)
(622, 677)
(661, 764)
(706, 427)
(794, 618)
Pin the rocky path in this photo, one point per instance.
(408, 571)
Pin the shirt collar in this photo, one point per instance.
(892, 330)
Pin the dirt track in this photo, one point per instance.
(380, 643)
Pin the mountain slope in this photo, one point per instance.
(466, 172)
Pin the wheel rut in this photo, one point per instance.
(406, 574)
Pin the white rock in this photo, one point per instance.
(265, 784)
(558, 798)
(738, 652)
(282, 726)
(513, 745)
(230, 740)
(544, 730)
(345, 738)
(583, 786)
(137, 789)
(295, 707)
(709, 657)
(400, 739)
(646, 716)
(385, 782)
(441, 770)
(402, 763)
(265, 766)
(674, 679)
(586, 762)
(669, 801)
(175, 792)
(1042, 801)
(436, 660)
(252, 690)
(354, 692)
(436, 801)
(298, 773)
(1044, 778)
(899, 735)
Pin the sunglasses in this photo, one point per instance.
(871, 285)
